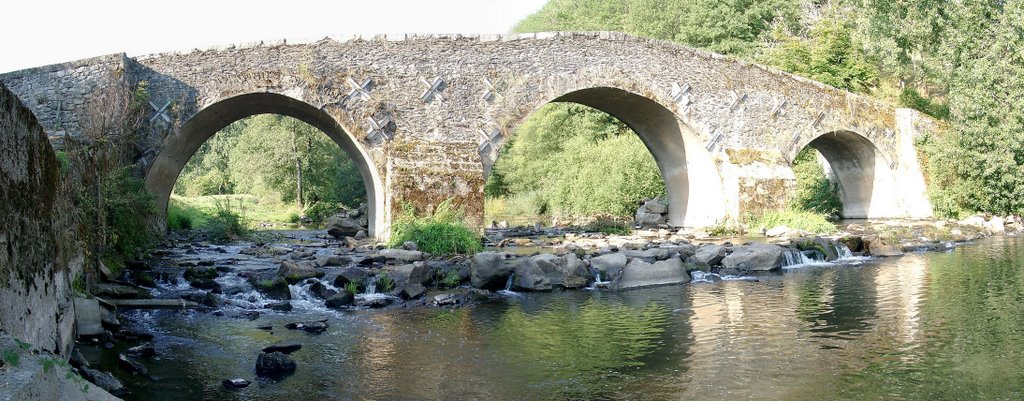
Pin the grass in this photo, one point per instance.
(385, 283)
(608, 225)
(227, 223)
(441, 232)
(184, 213)
(794, 219)
(518, 209)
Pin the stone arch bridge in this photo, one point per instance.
(425, 116)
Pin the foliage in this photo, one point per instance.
(815, 192)
(913, 99)
(385, 283)
(608, 225)
(726, 227)
(828, 52)
(129, 207)
(227, 223)
(549, 167)
(11, 357)
(276, 158)
(258, 211)
(794, 219)
(451, 279)
(352, 287)
(441, 232)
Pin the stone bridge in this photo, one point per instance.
(424, 117)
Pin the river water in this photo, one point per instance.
(933, 326)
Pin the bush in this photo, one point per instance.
(794, 219)
(180, 216)
(385, 283)
(609, 225)
(129, 207)
(814, 191)
(321, 211)
(226, 225)
(441, 232)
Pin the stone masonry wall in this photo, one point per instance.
(37, 255)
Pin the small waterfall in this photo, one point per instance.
(598, 283)
(371, 287)
(795, 258)
(841, 250)
(508, 284)
(699, 276)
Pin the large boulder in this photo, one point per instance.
(339, 300)
(609, 265)
(754, 257)
(274, 364)
(401, 255)
(652, 213)
(879, 246)
(104, 381)
(566, 271)
(489, 270)
(708, 255)
(412, 276)
(352, 274)
(294, 272)
(530, 277)
(340, 226)
(825, 248)
(639, 273)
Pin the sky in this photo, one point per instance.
(45, 32)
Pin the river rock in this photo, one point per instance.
(294, 272)
(754, 257)
(104, 381)
(121, 291)
(412, 290)
(284, 306)
(282, 348)
(339, 300)
(609, 265)
(824, 247)
(131, 365)
(996, 225)
(530, 277)
(488, 270)
(708, 255)
(274, 364)
(401, 255)
(340, 226)
(236, 383)
(317, 326)
(352, 274)
(321, 291)
(639, 273)
(878, 246)
(651, 255)
(974, 221)
(274, 289)
(566, 271)
(141, 351)
(336, 261)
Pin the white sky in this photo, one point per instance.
(41, 32)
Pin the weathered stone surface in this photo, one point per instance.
(339, 300)
(530, 277)
(341, 226)
(754, 257)
(609, 265)
(708, 255)
(488, 270)
(401, 255)
(639, 273)
(294, 272)
(352, 274)
(274, 364)
(878, 246)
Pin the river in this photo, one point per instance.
(937, 326)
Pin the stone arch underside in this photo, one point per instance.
(866, 180)
(180, 147)
(692, 180)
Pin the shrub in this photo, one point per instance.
(794, 219)
(385, 283)
(226, 225)
(609, 225)
(179, 216)
(352, 287)
(814, 191)
(441, 232)
(128, 207)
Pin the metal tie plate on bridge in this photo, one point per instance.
(714, 140)
(778, 108)
(681, 94)
(489, 92)
(377, 133)
(738, 98)
(360, 91)
(817, 120)
(488, 148)
(160, 112)
(433, 90)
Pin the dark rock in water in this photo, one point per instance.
(78, 360)
(376, 302)
(248, 315)
(205, 284)
(109, 318)
(639, 273)
(236, 383)
(265, 328)
(274, 289)
(339, 300)
(340, 226)
(478, 295)
(120, 291)
(294, 272)
(445, 300)
(283, 348)
(193, 274)
(321, 291)
(131, 365)
(274, 364)
(141, 351)
(143, 278)
(756, 257)
(489, 271)
(205, 263)
(203, 298)
(352, 274)
(337, 260)
(361, 235)
(530, 277)
(316, 327)
(411, 291)
(136, 265)
(104, 380)
(225, 269)
(281, 306)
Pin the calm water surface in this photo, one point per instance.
(925, 326)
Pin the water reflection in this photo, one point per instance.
(924, 326)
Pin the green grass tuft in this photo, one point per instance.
(794, 219)
(441, 232)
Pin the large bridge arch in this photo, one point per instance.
(867, 180)
(692, 180)
(180, 147)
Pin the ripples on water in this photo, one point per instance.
(924, 326)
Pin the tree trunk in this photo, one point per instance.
(298, 171)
